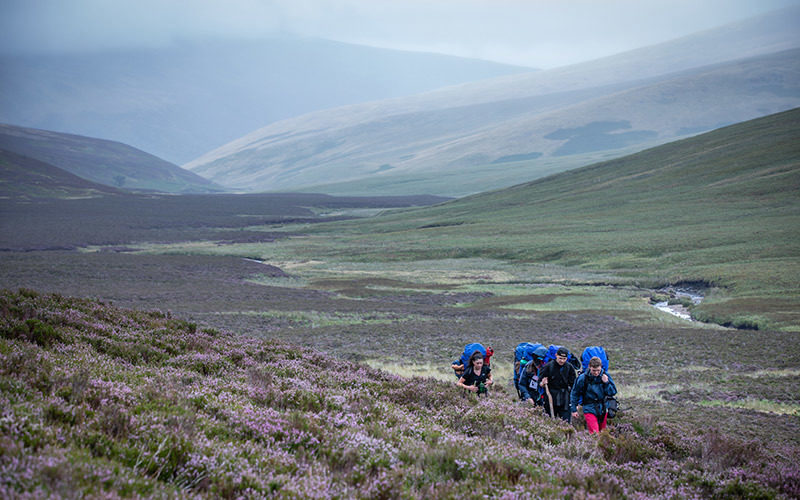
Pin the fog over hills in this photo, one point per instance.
(494, 133)
(183, 100)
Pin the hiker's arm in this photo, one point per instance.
(575, 396)
(610, 387)
(525, 391)
(544, 373)
(489, 380)
(462, 383)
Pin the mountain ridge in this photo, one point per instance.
(458, 116)
(651, 111)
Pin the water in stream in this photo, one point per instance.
(695, 293)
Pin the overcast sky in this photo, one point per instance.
(535, 33)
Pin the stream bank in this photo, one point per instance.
(679, 297)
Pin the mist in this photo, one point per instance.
(532, 33)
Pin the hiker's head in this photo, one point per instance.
(561, 355)
(595, 366)
(476, 360)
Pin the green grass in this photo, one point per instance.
(720, 208)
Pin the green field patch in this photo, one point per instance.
(773, 373)
(501, 370)
(285, 282)
(372, 283)
(318, 319)
(760, 405)
(519, 300)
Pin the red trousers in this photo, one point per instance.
(593, 424)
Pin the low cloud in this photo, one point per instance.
(537, 33)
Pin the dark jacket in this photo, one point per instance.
(591, 392)
(560, 379)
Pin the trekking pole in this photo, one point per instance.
(550, 400)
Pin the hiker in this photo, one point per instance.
(528, 385)
(591, 390)
(557, 378)
(477, 377)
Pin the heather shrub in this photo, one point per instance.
(723, 452)
(221, 416)
(33, 330)
(623, 448)
(744, 490)
(31, 367)
(115, 421)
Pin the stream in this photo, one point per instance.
(692, 292)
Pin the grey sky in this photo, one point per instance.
(536, 33)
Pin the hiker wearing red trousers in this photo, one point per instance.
(590, 390)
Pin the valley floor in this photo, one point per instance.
(669, 371)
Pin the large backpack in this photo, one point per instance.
(519, 351)
(591, 352)
(471, 349)
(524, 353)
(571, 359)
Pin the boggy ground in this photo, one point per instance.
(688, 376)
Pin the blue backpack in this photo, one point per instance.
(589, 353)
(551, 355)
(519, 351)
(524, 353)
(469, 350)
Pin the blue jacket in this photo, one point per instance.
(591, 392)
(525, 390)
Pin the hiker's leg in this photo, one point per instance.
(546, 406)
(591, 423)
(565, 415)
(604, 421)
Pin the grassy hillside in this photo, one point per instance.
(494, 134)
(25, 178)
(720, 208)
(100, 401)
(105, 162)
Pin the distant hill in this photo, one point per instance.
(25, 178)
(181, 101)
(105, 162)
(496, 133)
(720, 208)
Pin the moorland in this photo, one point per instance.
(234, 307)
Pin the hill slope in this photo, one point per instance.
(25, 178)
(721, 208)
(493, 134)
(105, 162)
(113, 402)
(180, 101)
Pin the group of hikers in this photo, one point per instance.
(551, 378)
